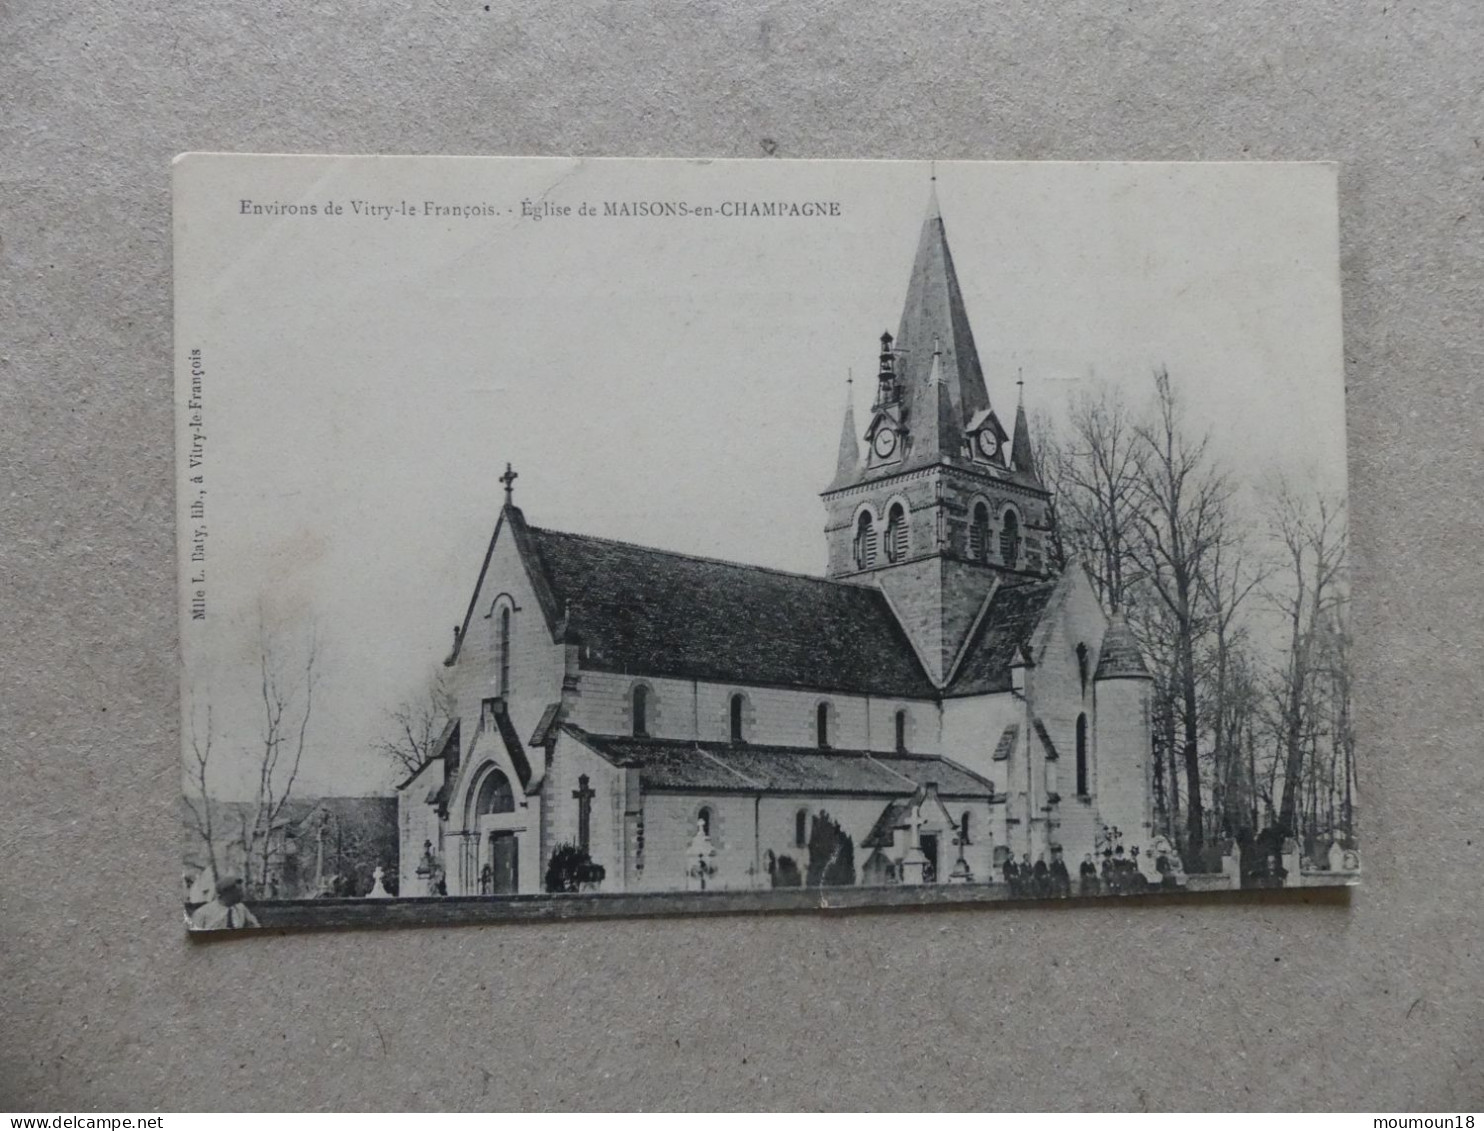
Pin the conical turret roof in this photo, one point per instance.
(1120, 657)
(1022, 459)
(849, 461)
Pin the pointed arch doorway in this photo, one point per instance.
(494, 864)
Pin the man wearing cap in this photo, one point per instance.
(226, 912)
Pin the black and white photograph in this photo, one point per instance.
(585, 537)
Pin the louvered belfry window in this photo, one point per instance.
(896, 533)
(979, 533)
(1010, 539)
(865, 543)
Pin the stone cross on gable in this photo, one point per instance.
(509, 478)
(584, 794)
(915, 821)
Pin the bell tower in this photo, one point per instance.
(942, 504)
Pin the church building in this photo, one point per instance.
(941, 700)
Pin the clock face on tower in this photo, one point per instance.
(885, 443)
(989, 444)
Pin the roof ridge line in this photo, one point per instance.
(705, 558)
(729, 769)
(996, 583)
(938, 686)
(871, 757)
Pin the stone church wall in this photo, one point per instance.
(972, 727)
(1059, 696)
(571, 760)
(745, 829)
(1123, 737)
(684, 709)
(417, 821)
(536, 664)
(670, 822)
(855, 815)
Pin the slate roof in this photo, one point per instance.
(654, 612)
(1120, 657)
(893, 817)
(723, 767)
(513, 746)
(1013, 613)
(1046, 743)
(1006, 745)
(546, 724)
(934, 319)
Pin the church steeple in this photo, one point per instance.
(934, 321)
(937, 511)
(925, 506)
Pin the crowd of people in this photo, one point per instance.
(1039, 880)
(1119, 873)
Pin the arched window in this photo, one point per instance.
(1010, 539)
(963, 828)
(801, 829)
(1082, 787)
(736, 717)
(979, 533)
(1082, 666)
(822, 726)
(865, 542)
(901, 732)
(495, 795)
(896, 533)
(641, 711)
(504, 684)
(704, 819)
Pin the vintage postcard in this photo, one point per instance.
(572, 537)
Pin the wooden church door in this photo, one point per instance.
(505, 863)
(929, 844)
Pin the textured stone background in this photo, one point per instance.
(1373, 1003)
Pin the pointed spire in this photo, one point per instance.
(947, 435)
(1021, 456)
(850, 453)
(934, 312)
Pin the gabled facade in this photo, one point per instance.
(941, 699)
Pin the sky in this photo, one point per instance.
(675, 381)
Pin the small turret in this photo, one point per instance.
(848, 464)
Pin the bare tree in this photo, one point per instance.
(1311, 537)
(197, 797)
(1099, 484)
(413, 728)
(1181, 510)
(285, 726)
(1049, 460)
(1226, 583)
